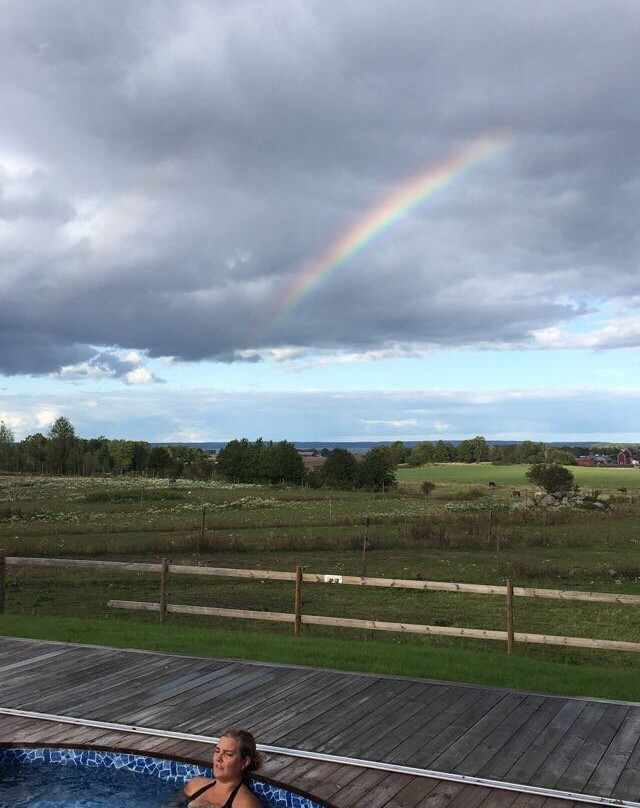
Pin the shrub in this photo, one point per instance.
(7, 513)
(133, 495)
(551, 477)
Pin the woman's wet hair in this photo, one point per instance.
(247, 747)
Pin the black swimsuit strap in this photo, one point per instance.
(201, 791)
(230, 798)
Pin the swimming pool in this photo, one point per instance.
(47, 777)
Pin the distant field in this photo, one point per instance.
(464, 531)
(483, 473)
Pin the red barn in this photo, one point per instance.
(625, 457)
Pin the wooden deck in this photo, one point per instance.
(576, 745)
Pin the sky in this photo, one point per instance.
(314, 220)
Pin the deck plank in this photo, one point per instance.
(545, 744)
(469, 730)
(555, 766)
(419, 748)
(505, 757)
(615, 759)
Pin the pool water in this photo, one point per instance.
(42, 785)
(48, 777)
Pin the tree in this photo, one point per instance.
(399, 452)
(421, 453)
(231, 460)
(34, 450)
(550, 476)
(7, 446)
(504, 453)
(159, 460)
(141, 451)
(465, 452)
(121, 452)
(61, 445)
(556, 455)
(377, 470)
(444, 452)
(530, 452)
(473, 450)
(288, 463)
(480, 449)
(242, 461)
(340, 470)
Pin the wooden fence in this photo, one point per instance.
(298, 578)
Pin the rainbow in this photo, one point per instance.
(381, 217)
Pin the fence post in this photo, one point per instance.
(164, 572)
(3, 567)
(203, 527)
(297, 625)
(510, 635)
(365, 544)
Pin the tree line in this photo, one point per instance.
(61, 451)
(262, 462)
(477, 450)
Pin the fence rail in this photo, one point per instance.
(330, 578)
(298, 619)
(379, 625)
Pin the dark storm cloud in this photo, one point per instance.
(166, 171)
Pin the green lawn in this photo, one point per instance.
(483, 473)
(485, 667)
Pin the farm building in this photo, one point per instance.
(627, 457)
(312, 459)
(596, 460)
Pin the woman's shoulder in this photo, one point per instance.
(245, 798)
(197, 783)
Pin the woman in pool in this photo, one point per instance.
(234, 757)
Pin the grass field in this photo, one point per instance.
(484, 667)
(483, 473)
(465, 531)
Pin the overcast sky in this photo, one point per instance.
(173, 177)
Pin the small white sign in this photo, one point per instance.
(333, 579)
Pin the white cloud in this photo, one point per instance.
(84, 370)
(623, 333)
(107, 225)
(12, 419)
(398, 424)
(330, 358)
(139, 375)
(17, 166)
(44, 418)
(129, 366)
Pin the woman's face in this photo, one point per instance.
(228, 762)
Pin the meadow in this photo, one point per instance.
(464, 531)
(483, 473)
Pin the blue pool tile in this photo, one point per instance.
(173, 771)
